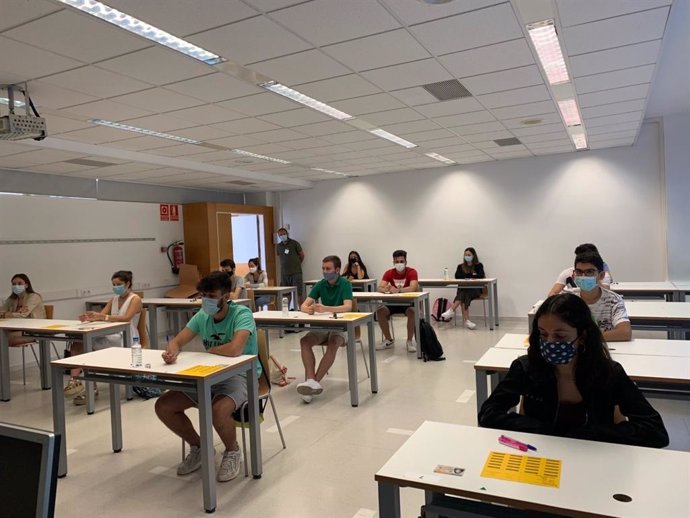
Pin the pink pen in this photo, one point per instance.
(512, 443)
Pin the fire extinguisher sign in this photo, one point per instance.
(165, 212)
(174, 214)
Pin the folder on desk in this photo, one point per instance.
(526, 469)
(201, 370)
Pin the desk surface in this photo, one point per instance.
(592, 472)
(651, 286)
(118, 359)
(149, 301)
(298, 317)
(377, 295)
(658, 309)
(46, 325)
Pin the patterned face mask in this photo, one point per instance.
(557, 353)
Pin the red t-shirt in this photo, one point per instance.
(409, 274)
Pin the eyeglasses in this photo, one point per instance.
(586, 273)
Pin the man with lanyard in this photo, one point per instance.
(226, 329)
(291, 258)
(334, 294)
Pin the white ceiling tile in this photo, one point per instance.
(455, 148)
(484, 137)
(95, 81)
(250, 40)
(498, 24)
(131, 167)
(408, 75)
(612, 143)
(615, 59)
(414, 96)
(575, 12)
(503, 80)
(549, 118)
(615, 32)
(541, 144)
(97, 135)
(350, 136)
(47, 156)
(491, 58)
(525, 110)
(514, 97)
(47, 95)
(296, 117)
(343, 87)
(141, 143)
(614, 95)
(158, 99)
(608, 128)
(96, 39)
(307, 143)
(613, 108)
(483, 127)
(156, 65)
(206, 114)
(325, 128)
(538, 129)
(17, 12)
(329, 21)
(633, 116)
(214, 87)
(614, 135)
(414, 11)
(368, 104)
(553, 151)
(303, 67)
(31, 62)
(176, 150)
(412, 127)
(13, 148)
(236, 141)
(267, 149)
(431, 135)
(278, 135)
(544, 137)
(453, 107)
(509, 156)
(374, 145)
(386, 118)
(56, 125)
(464, 119)
(377, 51)
(107, 110)
(615, 79)
(182, 17)
(244, 126)
(60, 168)
(163, 123)
(272, 5)
(260, 104)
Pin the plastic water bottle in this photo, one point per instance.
(136, 353)
(445, 274)
(285, 306)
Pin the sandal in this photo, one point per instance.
(74, 388)
(80, 400)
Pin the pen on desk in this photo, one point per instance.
(513, 443)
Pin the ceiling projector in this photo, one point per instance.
(15, 126)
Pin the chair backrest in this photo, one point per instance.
(49, 310)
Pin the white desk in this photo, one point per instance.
(46, 330)
(113, 366)
(490, 283)
(418, 300)
(659, 289)
(346, 322)
(362, 284)
(660, 371)
(591, 473)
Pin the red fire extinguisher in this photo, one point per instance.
(177, 257)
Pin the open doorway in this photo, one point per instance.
(248, 241)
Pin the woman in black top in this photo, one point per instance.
(355, 269)
(469, 268)
(570, 386)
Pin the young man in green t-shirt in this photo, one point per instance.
(334, 294)
(226, 329)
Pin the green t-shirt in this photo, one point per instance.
(214, 333)
(332, 295)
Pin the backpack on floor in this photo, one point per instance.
(440, 306)
(431, 347)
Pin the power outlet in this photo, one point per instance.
(84, 292)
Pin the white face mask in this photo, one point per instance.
(252, 269)
(400, 267)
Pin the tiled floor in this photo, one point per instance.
(333, 450)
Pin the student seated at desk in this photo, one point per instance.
(566, 280)
(125, 306)
(469, 268)
(228, 266)
(226, 329)
(257, 278)
(607, 307)
(355, 269)
(399, 279)
(570, 386)
(24, 302)
(334, 294)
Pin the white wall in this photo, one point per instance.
(523, 216)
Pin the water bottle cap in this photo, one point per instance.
(136, 339)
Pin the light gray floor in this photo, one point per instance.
(333, 449)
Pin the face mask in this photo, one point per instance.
(18, 289)
(210, 305)
(557, 353)
(282, 238)
(353, 260)
(468, 258)
(586, 283)
(329, 276)
(120, 289)
(400, 267)
(252, 269)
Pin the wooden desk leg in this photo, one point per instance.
(352, 364)
(115, 417)
(389, 500)
(254, 421)
(373, 370)
(203, 392)
(59, 418)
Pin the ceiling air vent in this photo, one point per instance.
(512, 141)
(90, 163)
(240, 182)
(447, 90)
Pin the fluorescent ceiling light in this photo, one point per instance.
(329, 171)
(580, 141)
(440, 158)
(299, 97)
(6, 102)
(11, 194)
(262, 157)
(393, 138)
(143, 29)
(569, 111)
(150, 133)
(545, 41)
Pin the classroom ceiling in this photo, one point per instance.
(368, 58)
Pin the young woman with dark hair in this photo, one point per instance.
(469, 268)
(355, 268)
(23, 302)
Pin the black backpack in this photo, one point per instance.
(431, 347)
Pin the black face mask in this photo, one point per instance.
(353, 260)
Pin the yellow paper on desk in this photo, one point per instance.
(54, 326)
(349, 316)
(200, 370)
(526, 469)
(525, 342)
(409, 294)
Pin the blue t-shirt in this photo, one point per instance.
(214, 333)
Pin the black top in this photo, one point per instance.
(591, 420)
(477, 272)
(353, 273)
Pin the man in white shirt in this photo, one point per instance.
(565, 281)
(607, 307)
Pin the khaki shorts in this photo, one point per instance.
(323, 337)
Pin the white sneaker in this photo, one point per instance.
(387, 344)
(307, 399)
(411, 346)
(229, 466)
(448, 315)
(469, 324)
(191, 462)
(310, 387)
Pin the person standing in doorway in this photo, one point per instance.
(291, 258)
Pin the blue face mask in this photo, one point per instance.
(557, 353)
(468, 258)
(210, 305)
(120, 289)
(282, 238)
(586, 283)
(18, 289)
(329, 276)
